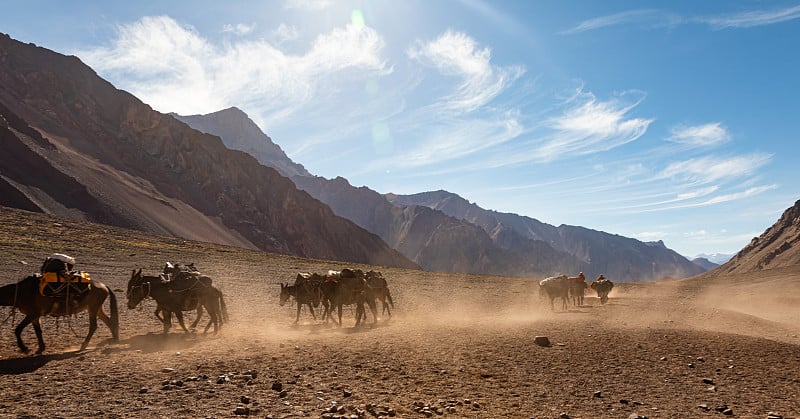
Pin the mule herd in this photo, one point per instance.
(566, 287)
(337, 289)
(183, 288)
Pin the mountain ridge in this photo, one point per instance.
(147, 170)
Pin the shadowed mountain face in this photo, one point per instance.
(441, 231)
(616, 257)
(777, 247)
(239, 132)
(433, 239)
(86, 150)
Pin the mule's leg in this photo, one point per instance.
(197, 320)
(297, 318)
(38, 329)
(18, 331)
(92, 328)
(311, 309)
(179, 316)
(374, 309)
(167, 322)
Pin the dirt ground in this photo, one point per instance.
(457, 346)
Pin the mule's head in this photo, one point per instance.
(138, 289)
(285, 294)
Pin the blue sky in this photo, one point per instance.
(674, 121)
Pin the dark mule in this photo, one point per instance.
(555, 287)
(378, 289)
(602, 287)
(25, 297)
(577, 287)
(306, 291)
(176, 299)
(187, 276)
(348, 287)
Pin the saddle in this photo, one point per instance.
(55, 284)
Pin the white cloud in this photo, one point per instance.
(753, 18)
(284, 33)
(644, 17)
(308, 5)
(239, 28)
(589, 126)
(647, 236)
(707, 135)
(458, 55)
(657, 19)
(710, 169)
(697, 193)
(174, 69)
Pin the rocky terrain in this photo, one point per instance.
(457, 346)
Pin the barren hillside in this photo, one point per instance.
(456, 345)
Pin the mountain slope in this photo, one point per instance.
(614, 256)
(239, 132)
(433, 239)
(777, 247)
(143, 169)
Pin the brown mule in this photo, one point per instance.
(25, 297)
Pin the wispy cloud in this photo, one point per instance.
(711, 169)
(706, 135)
(753, 18)
(457, 55)
(239, 28)
(589, 126)
(648, 18)
(307, 5)
(284, 33)
(175, 69)
(659, 19)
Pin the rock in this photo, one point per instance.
(241, 411)
(773, 415)
(245, 399)
(708, 381)
(704, 407)
(277, 386)
(564, 416)
(167, 370)
(143, 390)
(541, 340)
(598, 394)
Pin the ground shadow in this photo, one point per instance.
(156, 342)
(26, 364)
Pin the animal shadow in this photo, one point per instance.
(27, 364)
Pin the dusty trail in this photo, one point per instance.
(457, 343)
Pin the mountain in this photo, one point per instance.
(705, 263)
(614, 256)
(239, 132)
(717, 258)
(80, 148)
(777, 247)
(453, 235)
(433, 239)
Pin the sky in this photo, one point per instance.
(674, 121)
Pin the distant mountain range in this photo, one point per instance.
(77, 147)
(443, 232)
(717, 258)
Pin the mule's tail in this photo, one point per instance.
(223, 308)
(114, 314)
